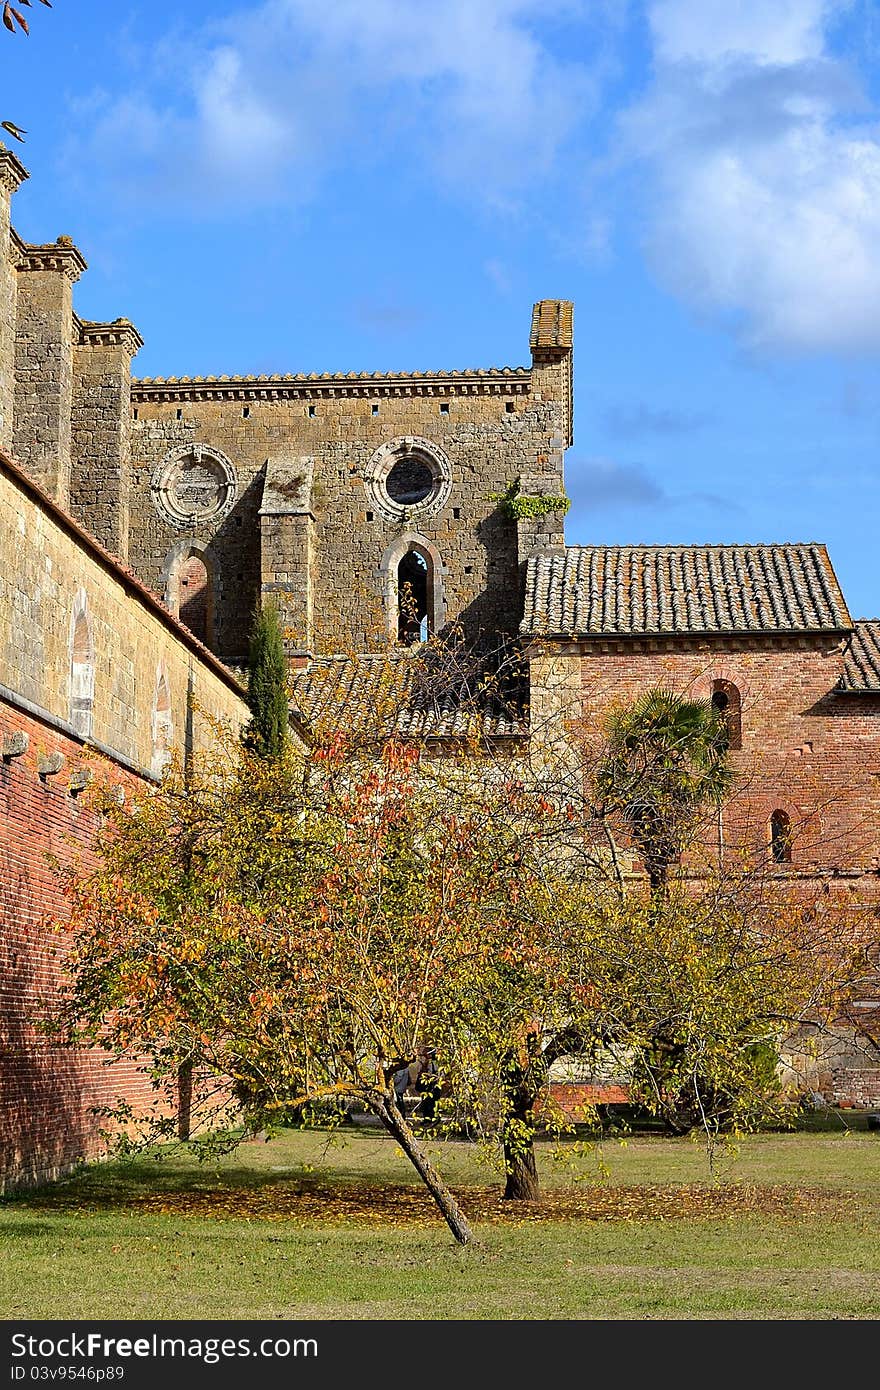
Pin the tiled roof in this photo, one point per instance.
(627, 591)
(861, 662)
(383, 696)
(552, 324)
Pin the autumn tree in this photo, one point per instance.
(294, 928)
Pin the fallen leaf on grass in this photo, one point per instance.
(313, 1203)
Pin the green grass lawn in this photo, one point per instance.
(299, 1228)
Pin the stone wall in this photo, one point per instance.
(54, 578)
(12, 174)
(486, 429)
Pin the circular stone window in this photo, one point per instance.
(409, 477)
(194, 486)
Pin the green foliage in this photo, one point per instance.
(518, 505)
(666, 764)
(267, 733)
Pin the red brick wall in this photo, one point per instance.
(46, 1091)
(805, 750)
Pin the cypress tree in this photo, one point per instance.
(267, 732)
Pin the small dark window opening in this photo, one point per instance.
(374, 410)
(410, 481)
(179, 414)
(509, 407)
(726, 700)
(312, 412)
(444, 408)
(245, 412)
(134, 413)
(369, 516)
(412, 598)
(780, 837)
(456, 512)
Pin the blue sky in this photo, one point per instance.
(288, 185)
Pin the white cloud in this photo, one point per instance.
(768, 31)
(285, 90)
(764, 200)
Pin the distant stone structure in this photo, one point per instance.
(142, 522)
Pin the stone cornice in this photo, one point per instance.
(60, 257)
(571, 644)
(12, 171)
(120, 333)
(502, 381)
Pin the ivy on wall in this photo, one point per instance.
(517, 505)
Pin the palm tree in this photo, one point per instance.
(666, 762)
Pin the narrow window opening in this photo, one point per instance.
(313, 410)
(412, 598)
(179, 414)
(369, 516)
(726, 700)
(456, 512)
(509, 407)
(245, 412)
(444, 408)
(374, 410)
(780, 837)
(468, 569)
(134, 413)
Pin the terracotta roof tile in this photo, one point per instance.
(628, 591)
(385, 695)
(861, 662)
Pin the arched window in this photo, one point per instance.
(412, 572)
(189, 589)
(195, 597)
(82, 667)
(726, 700)
(780, 837)
(162, 729)
(412, 598)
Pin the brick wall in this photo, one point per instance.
(46, 1091)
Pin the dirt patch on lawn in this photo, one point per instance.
(305, 1202)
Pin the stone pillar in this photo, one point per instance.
(12, 174)
(287, 549)
(551, 341)
(44, 331)
(100, 481)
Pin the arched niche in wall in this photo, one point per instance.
(82, 666)
(412, 575)
(161, 723)
(189, 588)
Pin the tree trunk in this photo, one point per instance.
(449, 1208)
(522, 1175)
(518, 1145)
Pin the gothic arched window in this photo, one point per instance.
(412, 597)
(195, 606)
(726, 700)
